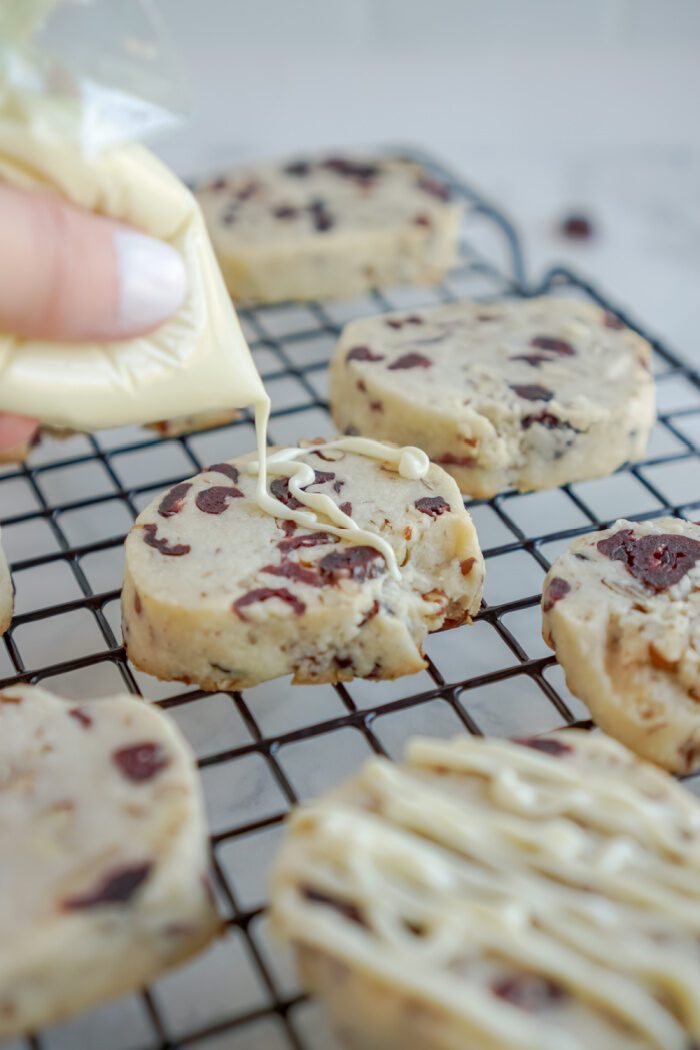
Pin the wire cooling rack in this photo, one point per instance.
(64, 516)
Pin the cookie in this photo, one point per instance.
(330, 226)
(103, 853)
(537, 895)
(621, 609)
(526, 393)
(6, 593)
(190, 424)
(220, 593)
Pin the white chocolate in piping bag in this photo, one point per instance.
(198, 361)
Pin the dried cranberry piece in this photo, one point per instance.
(279, 488)
(346, 508)
(293, 571)
(173, 501)
(321, 477)
(248, 190)
(658, 561)
(399, 322)
(448, 459)
(337, 486)
(557, 590)
(546, 744)
(140, 762)
(320, 216)
(81, 716)
(376, 406)
(362, 353)
(531, 359)
(225, 468)
(298, 168)
(322, 455)
(263, 594)
(352, 563)
(466, 566)
(336, 164)
(308, 539)
(532, 392)
(350, 169)
(285, 211)
(365, 171)
(214, 500)
(529, 991)
(151, 538)
(610, 320)
(410, 361)
(345, 908)
(422, 220)
(556, 346)
(370, 614)
(547, 420)
(116, 888)
(576, 227)
(434, 188)
(433, 506)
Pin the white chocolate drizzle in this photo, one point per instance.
(584, 869)
(323, 513)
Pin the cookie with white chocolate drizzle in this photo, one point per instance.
(621, 609)
(357, 551)
(532, 895)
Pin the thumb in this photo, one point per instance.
(16, 436)
(69, 275)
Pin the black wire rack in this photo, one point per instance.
(64, 515)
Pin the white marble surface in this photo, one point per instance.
(644, 203)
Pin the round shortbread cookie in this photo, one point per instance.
(103, 853)
(330, 226)
(621, 609)
(6, 592)
(527, 393)
(531, 895)
(220, 593)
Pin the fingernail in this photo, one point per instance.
(152, 280)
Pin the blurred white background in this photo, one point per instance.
(547, 105)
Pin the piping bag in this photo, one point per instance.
(68, 131)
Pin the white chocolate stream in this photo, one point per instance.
(412, 463)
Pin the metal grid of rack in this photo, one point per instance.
(64, 515)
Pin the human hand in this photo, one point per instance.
(71, 276)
